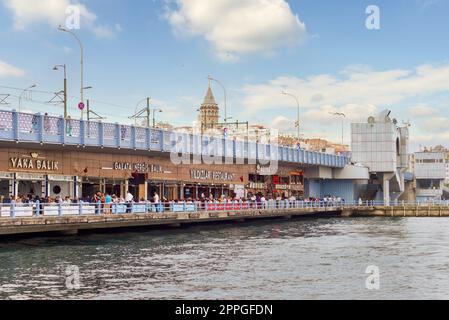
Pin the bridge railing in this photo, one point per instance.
(399, 203)
(20, 210)
(45, 129)
(23, 210)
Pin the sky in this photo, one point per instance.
(318, 50)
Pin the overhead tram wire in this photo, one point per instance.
(109, 104)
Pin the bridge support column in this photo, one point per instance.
(386, 186)
(386, 192)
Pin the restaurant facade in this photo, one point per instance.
(81, 174)
(78, 173)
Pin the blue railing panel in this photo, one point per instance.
(155, 140)
(37, 128)
(252, 151)
(229, 148)
(239, 149)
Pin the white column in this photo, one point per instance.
(103, 186)
(146, 190)
(126, 188)
(75, 187)
(386, 191)
(45, 187)
(13, 186)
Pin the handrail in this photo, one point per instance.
(45, 129)
(37, 209)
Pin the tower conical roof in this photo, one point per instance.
(209, 99)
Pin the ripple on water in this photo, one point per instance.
(300, 259)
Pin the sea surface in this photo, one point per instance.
(298, 259)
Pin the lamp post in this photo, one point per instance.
(21, 94)
(154, 116)
(299, 112)
(225, 97)
(89, 111)
(56, 68)
(343, 116)
(61, 28)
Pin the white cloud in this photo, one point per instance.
(103, 31)
(67, 50)
(423, 111)
(7, 70)
(358, 92)
(238, 27)
(351, 86)
(325, 114)
(281, 122)
(320, 122)
(50, 11)
(53, 13)
(436, 125)
(427, 3)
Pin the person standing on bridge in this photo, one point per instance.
(107, 203)
(129, 199)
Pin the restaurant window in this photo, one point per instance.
(297, 179)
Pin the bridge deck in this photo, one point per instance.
(72, 224)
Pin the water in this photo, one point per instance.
(300, 259)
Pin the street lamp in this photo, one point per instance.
(297, 124)
(225, 97)
(21, 94)
(154, 116)
(61, 28)
(343, 116)
(56, 68)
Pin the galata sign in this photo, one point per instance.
(142, 167)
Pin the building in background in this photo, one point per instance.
(316, 144)
(164, 126)
(209, 111)
(382, 146)
(440, 149)
(430, 174)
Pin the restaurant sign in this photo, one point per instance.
(33, 162)
(138, 167)
(211, 175)
(283, 187)
(258, 185)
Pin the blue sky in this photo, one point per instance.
(319, 50)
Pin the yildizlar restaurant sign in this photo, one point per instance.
(33, 163)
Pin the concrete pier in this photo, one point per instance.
(71, 225)
(398, 211)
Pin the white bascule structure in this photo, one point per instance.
(383, 146)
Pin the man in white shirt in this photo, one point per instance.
(129, 197)
(156, 198)
(263, 200)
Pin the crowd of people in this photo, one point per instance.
(105, 201)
